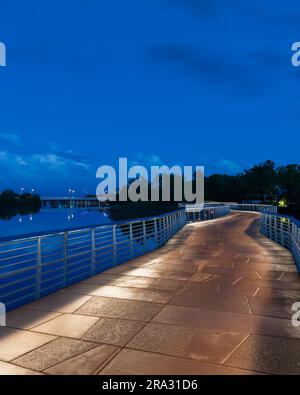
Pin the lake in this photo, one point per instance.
(52, 219)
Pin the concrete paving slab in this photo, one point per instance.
(16, 342)
(53, 353)
(87, 363)
(120, 308)
(67, 325)
(265, 354)
(133, 362)
(114, 331)
(187, 342)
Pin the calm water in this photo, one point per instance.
(51, 219)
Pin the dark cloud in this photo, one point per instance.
(262, 13)
(272, 59)
(213, 67)
(10, 139)
(213, 8)
(67, 154)
(199, 8)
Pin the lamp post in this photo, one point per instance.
(73, 191)
(69, 196)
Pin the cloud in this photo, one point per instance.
(229, 166)
(41, 168)
(10, 138)
(199, 8)
(57, 162)
(212, 67)
(146, 160)
(67, 154)
(229, 58)
(247, 9)
(222, 165)
(275, 13)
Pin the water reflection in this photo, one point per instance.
(51, 220)
(7, 213)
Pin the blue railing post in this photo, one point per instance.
(131, 240)
(114, 240)
(65, 257)
(93, 252)
(38, 269)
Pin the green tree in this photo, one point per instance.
(260, 180)
(289, 182)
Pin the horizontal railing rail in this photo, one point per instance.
(260, 208)
(283, 230)
(32, 267)
(198, 213)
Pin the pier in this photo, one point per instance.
(216, 298)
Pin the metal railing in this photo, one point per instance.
(260, 208)
(283, 230)
(198, 213)
(36, 265)
(32, 267)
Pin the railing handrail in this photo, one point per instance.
(283, 229)
(66, 198)
(289, 217)
(35, 266)
(199, 213)
(39, 264)
(250, 204)
(253, 207)
(24, 237)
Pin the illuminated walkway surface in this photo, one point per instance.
(216, 299)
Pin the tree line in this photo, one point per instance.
(265, 182)
(12, 203)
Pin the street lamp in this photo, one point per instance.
(69, 195)
(71, 191)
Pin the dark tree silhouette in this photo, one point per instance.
(12, 204)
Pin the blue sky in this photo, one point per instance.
(188, 82)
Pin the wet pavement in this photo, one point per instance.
(216, 299)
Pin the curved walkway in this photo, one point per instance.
(216, 299)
